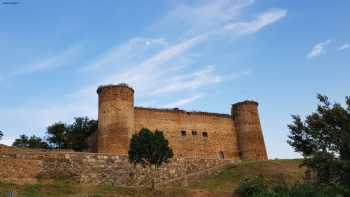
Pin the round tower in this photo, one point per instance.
(249, 133)
(115, 118)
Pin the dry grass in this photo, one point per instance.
(219, 185)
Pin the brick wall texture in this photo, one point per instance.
(235, 136)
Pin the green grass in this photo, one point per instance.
(221, 184)
(274, 170)
(70, 189)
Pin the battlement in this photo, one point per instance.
(247, 102)
(120, 85)
(177, 110)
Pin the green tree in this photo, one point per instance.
(57, 135)
(21, 142)
(30, 142)
(79, 131)
(324, 140)
(72, 136)
(149, 149)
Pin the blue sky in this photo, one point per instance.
(197, 55)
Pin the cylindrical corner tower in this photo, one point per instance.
(115, 118)
(249, 133)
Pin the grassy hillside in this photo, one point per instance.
(274, 170)
(221, 184)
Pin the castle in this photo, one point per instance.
(235, 136)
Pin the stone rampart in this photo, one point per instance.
(91, 168)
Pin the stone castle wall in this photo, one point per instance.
(116, 119)
(22, 167)
(191, 134)
(251, 140)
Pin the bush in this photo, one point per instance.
(252, 186)
(259, 187)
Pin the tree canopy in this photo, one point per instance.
(30, 142)
(1, 134)
(62, 136)
(72, 136)
(57, 135)
(149, 148)
(324, 140)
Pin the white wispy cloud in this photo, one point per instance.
(344, 47)
(148, 74)
(182, 102)
(263, 20)
(48, 63)
(201, 16)
(190, 81)
(154, 66)
(318, 49)
(125, 53)
(159, 74)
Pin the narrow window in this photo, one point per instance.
(205, 134)
(194, 132)
(183, 133)
(221, 155)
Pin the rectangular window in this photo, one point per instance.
(205, 134)
(183, 133)
(194, 132)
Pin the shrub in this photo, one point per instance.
(251, 186)
(259, 187)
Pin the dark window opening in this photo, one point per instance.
(221, 155)
(183, 133)
(194, 132)
(205, 134)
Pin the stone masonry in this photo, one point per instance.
(235, 136)
(28, 167)
(202, 142)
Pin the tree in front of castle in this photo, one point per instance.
(149, 149)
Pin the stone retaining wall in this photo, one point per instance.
(91, 168)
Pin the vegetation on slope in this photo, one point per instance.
(221, 184)
(273, 170)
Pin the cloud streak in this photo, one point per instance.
(201, 16)
(53, 62)
(190, 81)
(344, 47)
(319, 49)
(156, 67)
(183, 101)
(160, 74)
(263, 20)
(125, 53)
